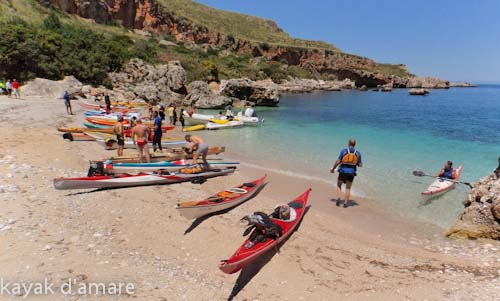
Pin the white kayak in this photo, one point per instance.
(441, 185)
(226, 125)
(133, 180)
(117, 168)
(112, 144)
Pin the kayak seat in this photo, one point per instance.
(215, 199)
(249, 185)
(295, 205)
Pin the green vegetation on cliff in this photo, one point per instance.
(240, 26)
(56, 49)
(32, 45)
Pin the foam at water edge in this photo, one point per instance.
(333, 183)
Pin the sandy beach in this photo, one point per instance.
(134, 235)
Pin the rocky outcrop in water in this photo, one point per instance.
(261, 93)
(462, 85)
(298, 85)
(427, 83)
(481, 215)
(201, 96)
(418, 92)
(141, 81)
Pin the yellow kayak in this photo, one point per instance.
(194, 128)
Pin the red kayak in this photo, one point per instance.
(243, 256)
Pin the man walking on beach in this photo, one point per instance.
(157, 132)
(15, 89)
(140, 134)
(349, 159)
(201, 148)
(67, 102)
(120, 137)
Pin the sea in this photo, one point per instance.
(396, 134)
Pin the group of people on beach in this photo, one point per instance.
(11, 88)
(173, 117)
(141, 134)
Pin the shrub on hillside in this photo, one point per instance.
(55, 49)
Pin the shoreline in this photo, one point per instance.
(135, 234)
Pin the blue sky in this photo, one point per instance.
(456, 40)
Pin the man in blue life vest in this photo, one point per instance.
(349, 159)
(448, 172)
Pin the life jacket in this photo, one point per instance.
(350, 158)
(263, 228)
(448, 173)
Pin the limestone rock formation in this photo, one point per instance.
(427, 83)
(150, 16)
(418, 91)
(298, 85)
(261, 93)
(200, 95)
(52, 89)
(139, 80)
(481, 215)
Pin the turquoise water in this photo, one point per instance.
(396, 134)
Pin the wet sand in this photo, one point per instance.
(364, 252)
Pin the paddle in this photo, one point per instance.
(419, 173)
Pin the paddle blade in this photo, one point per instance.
(418, 173)
(248, 230)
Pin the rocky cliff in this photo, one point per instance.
(151, 16)
(481, 215)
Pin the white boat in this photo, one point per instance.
(440, 186)
(225, 125)
(249, 120)
(197, 119)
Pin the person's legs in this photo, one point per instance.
(146, 152)
(120, 150)
(339, 190)
(140, 150)
(205, 162)
(70, 109)
(347, 193)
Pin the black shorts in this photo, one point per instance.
(120, 141)
(346, 177)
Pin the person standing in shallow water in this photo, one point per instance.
(348, 161)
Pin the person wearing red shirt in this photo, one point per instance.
(15, 89)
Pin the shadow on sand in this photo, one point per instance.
(200, 220)
(340, 203)
(252, 269)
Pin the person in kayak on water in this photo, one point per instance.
(348, 161)
(140, 134)
(157, 132)
(120, 138)
(201, 148)
(448, 172)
